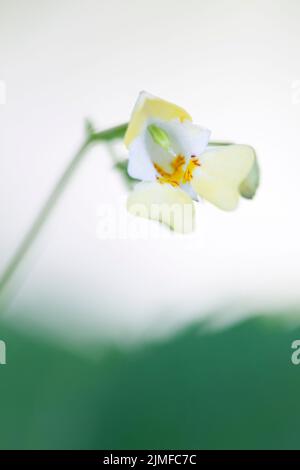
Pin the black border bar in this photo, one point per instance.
(136, 458)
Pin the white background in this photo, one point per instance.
(234, 65)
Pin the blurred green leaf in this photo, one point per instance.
(235, 388)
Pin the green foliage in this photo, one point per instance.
(235, 388)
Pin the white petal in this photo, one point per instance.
(187, 138)
(221, 173)
(187, 188)
(140, 165)
(164, 203)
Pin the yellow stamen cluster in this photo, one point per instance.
(180, 174)
(193, 163)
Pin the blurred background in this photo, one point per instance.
(172, 342)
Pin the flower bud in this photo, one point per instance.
(250, 184)
(159, 136)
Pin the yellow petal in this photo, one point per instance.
(221, 173)
(164, 203)
(147, 107)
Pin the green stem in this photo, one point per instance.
(110, 134)
(214, 143)
(92, 137)
(52, 200)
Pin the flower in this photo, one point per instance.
(171, 157)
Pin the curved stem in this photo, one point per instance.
(92, 137)
(49, 205)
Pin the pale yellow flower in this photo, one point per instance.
(171, 157)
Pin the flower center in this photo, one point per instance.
(181, 173)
